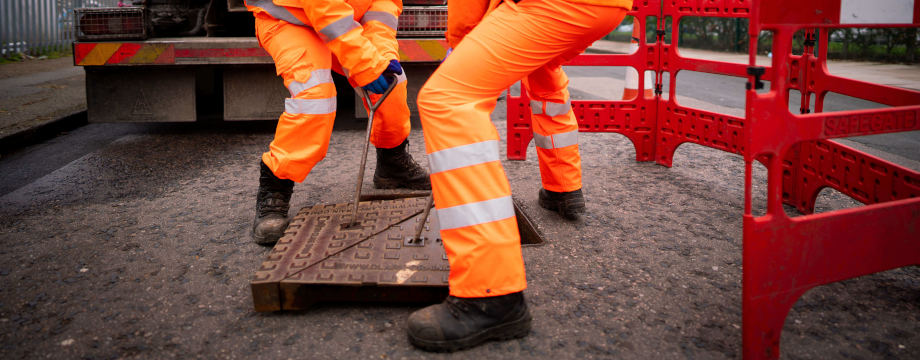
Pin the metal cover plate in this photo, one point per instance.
(319, 260)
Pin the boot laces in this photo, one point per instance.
(405, 162)
(273, 202)
(457, 306)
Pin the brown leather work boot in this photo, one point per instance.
(571, 204)
(397, 169)
(460, 323)
(272, 204)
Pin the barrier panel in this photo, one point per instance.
(783, 256)
(636, 118)
(680, 124)
(655, 126)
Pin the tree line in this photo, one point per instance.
(874, 44)
(731, 34)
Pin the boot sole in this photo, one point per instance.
(381, 183)
(510, 330)
(265, 240)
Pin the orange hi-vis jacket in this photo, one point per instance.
(463, 15)
(363, 52)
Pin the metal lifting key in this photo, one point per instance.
(372, 108)
(418, 240)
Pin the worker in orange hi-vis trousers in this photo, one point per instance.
(507, 42)
(308, 39)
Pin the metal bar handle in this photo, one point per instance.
(372, 108)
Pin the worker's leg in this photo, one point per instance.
(303, 130)
(555, 129)
(395, 166)
(555, 133)
(304, 62)
(389, 133)
(462, 143)
(472, 194)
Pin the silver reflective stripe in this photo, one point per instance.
(338, 28)
(536, 107)
(556, 109)
(565, 139)
(277, 12)
(309, 106)
(543, 142)
(321, 76)
(463, 156)
(382, 16)
(556, 141)
(476, 213)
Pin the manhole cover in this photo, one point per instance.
(321, 260)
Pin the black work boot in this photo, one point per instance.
(460, 323)
(397, 169)
(571, 204)
(272, 205)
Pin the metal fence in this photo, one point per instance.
(37, 26)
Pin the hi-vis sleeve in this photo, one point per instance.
(380, 22)
(334, 20)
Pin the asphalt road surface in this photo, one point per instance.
(132, 241)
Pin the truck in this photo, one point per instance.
(199, 60)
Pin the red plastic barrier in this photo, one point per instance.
(680, 124)
(783, 257)
(636, 118)
(813, 165)
(656, 127)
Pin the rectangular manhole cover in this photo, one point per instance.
(320, 260)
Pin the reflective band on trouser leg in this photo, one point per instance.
(322, 76)
(557, 109)
(560, 161)
(555, 130)
(302, 135)
(455, 106)
(556, 141)
(303, 130)
(309, 106)
(476, 213)
(391, 122)
(478, 225)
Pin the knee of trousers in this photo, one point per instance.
(303, 131)
(439, 105)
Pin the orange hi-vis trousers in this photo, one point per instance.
(305, 63)
(528, 40)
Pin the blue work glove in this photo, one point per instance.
(382, 83)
